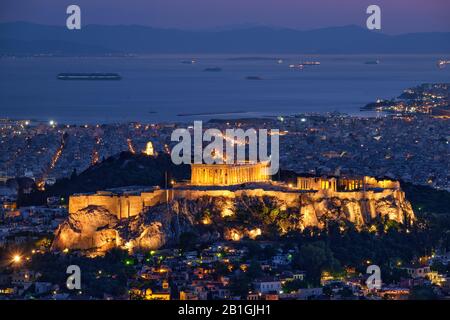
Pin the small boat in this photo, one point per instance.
(297, 66)
(193, 61)
(372, 62)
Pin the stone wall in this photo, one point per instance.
(123, 206)
(96, 221)
(357, 207)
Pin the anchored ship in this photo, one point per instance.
(192, 61)
(311, 63)
(442, 63)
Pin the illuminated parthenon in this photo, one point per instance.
(228, 174)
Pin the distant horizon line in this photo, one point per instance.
(229, 28)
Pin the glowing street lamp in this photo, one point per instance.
(16, 259)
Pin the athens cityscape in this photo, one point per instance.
(94, 207)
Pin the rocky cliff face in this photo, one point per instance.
(92, 228)
(356, 207)
(251, 214)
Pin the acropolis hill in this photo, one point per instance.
(216, 199)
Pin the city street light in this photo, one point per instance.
(17, 259)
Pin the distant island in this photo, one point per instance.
(89, 76)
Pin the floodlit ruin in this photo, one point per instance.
(221, 188)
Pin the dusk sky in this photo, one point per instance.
(398, 16)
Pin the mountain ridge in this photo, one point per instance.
(30, 38)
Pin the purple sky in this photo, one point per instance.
(398, 16)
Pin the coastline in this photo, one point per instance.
(206, 117)
(342, 83)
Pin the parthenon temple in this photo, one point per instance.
(228, 174)
(126, 202)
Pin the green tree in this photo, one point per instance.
(314, 258)
(188, 241)
(294, 285)
(422, 293)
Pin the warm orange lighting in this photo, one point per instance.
(149, 150)
(235, 235)
(129, 246)
(206, 220)
(130, 146)
(41, 185)
(254, 233)
(17, 258)
(95, 157)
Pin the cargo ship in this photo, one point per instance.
(442, 63)
(311, 63)
(297, 66)
(193, 61)
(89, 76)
